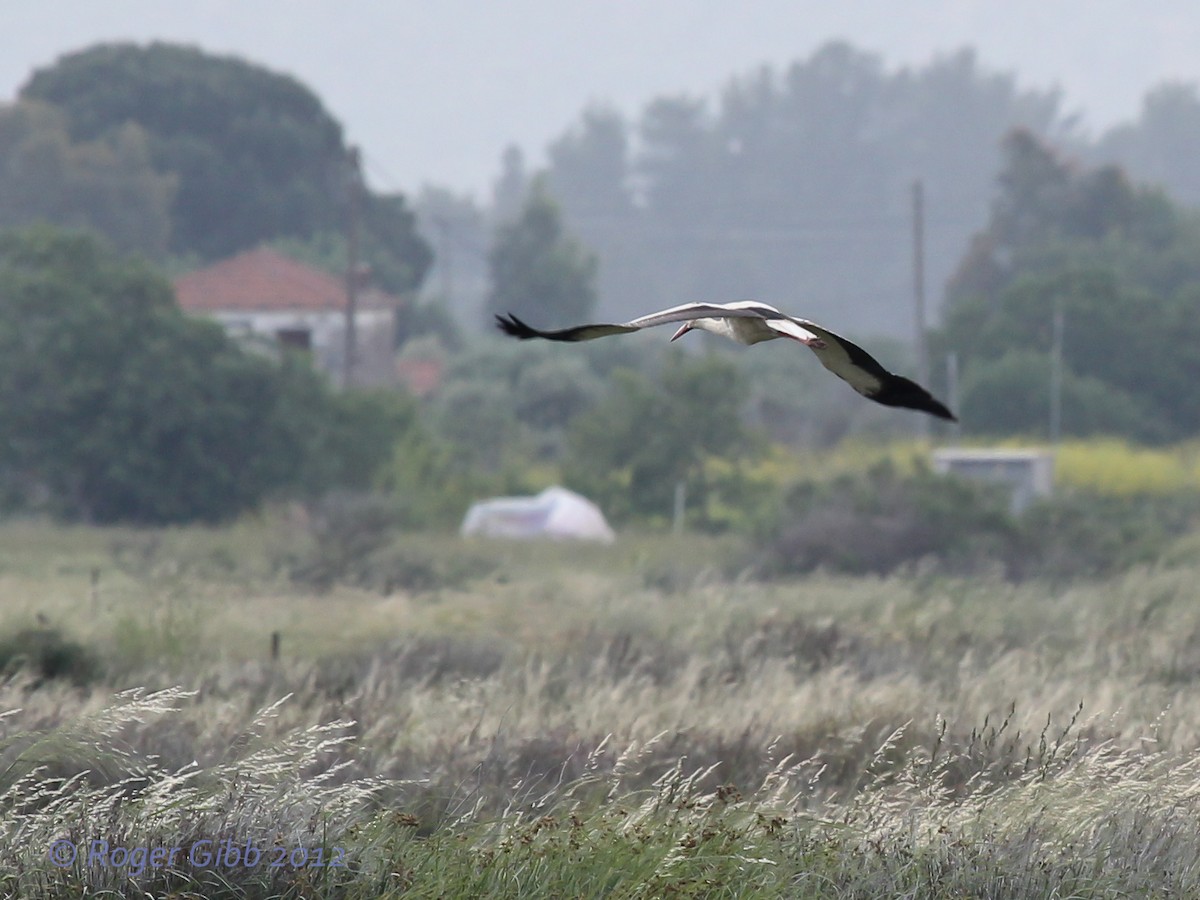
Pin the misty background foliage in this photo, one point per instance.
(121, 162)
(794, 185)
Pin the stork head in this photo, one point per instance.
(684, 329)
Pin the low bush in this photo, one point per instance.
(47, 655)
(881, 520)
(1087, 534)
(356, 540)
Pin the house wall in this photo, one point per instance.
(374, 327)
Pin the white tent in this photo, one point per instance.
(554, 513)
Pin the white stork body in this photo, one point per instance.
(750, 322)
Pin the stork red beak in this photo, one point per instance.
(683, 329)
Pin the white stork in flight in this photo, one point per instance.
(750, 322)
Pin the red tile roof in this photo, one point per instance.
(420, 376)
(258, 281)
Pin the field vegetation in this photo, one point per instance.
(654, 718)
(242, 656)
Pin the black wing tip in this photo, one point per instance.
(929, 405)
(514, 327)
(936, 407)
(900, 391)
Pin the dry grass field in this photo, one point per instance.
(642, 720)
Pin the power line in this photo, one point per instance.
(380, 174)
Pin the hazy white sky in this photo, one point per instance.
(433, 90)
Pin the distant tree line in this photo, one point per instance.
(794, 186)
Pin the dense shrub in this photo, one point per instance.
(47, 654)
(355, 540)
(117, 407)
(1088, 534)
(648, 435)
(881, 520)
(1011, 395)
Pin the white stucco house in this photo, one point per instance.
(263, 294)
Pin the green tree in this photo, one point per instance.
(118, 407)
(346, 439)
(507, 401)
(476, 418)
(538, 271)
(1011, 395)
(1120, 263)
(256, 155)
(632, 448)
(552, 391)
(107, 185)
(394, 250)
(391, 251)
(677, 156)
(589, 167)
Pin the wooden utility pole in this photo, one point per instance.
(1056, 372)
(952, 388)
(352, 269)
(920, 345)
